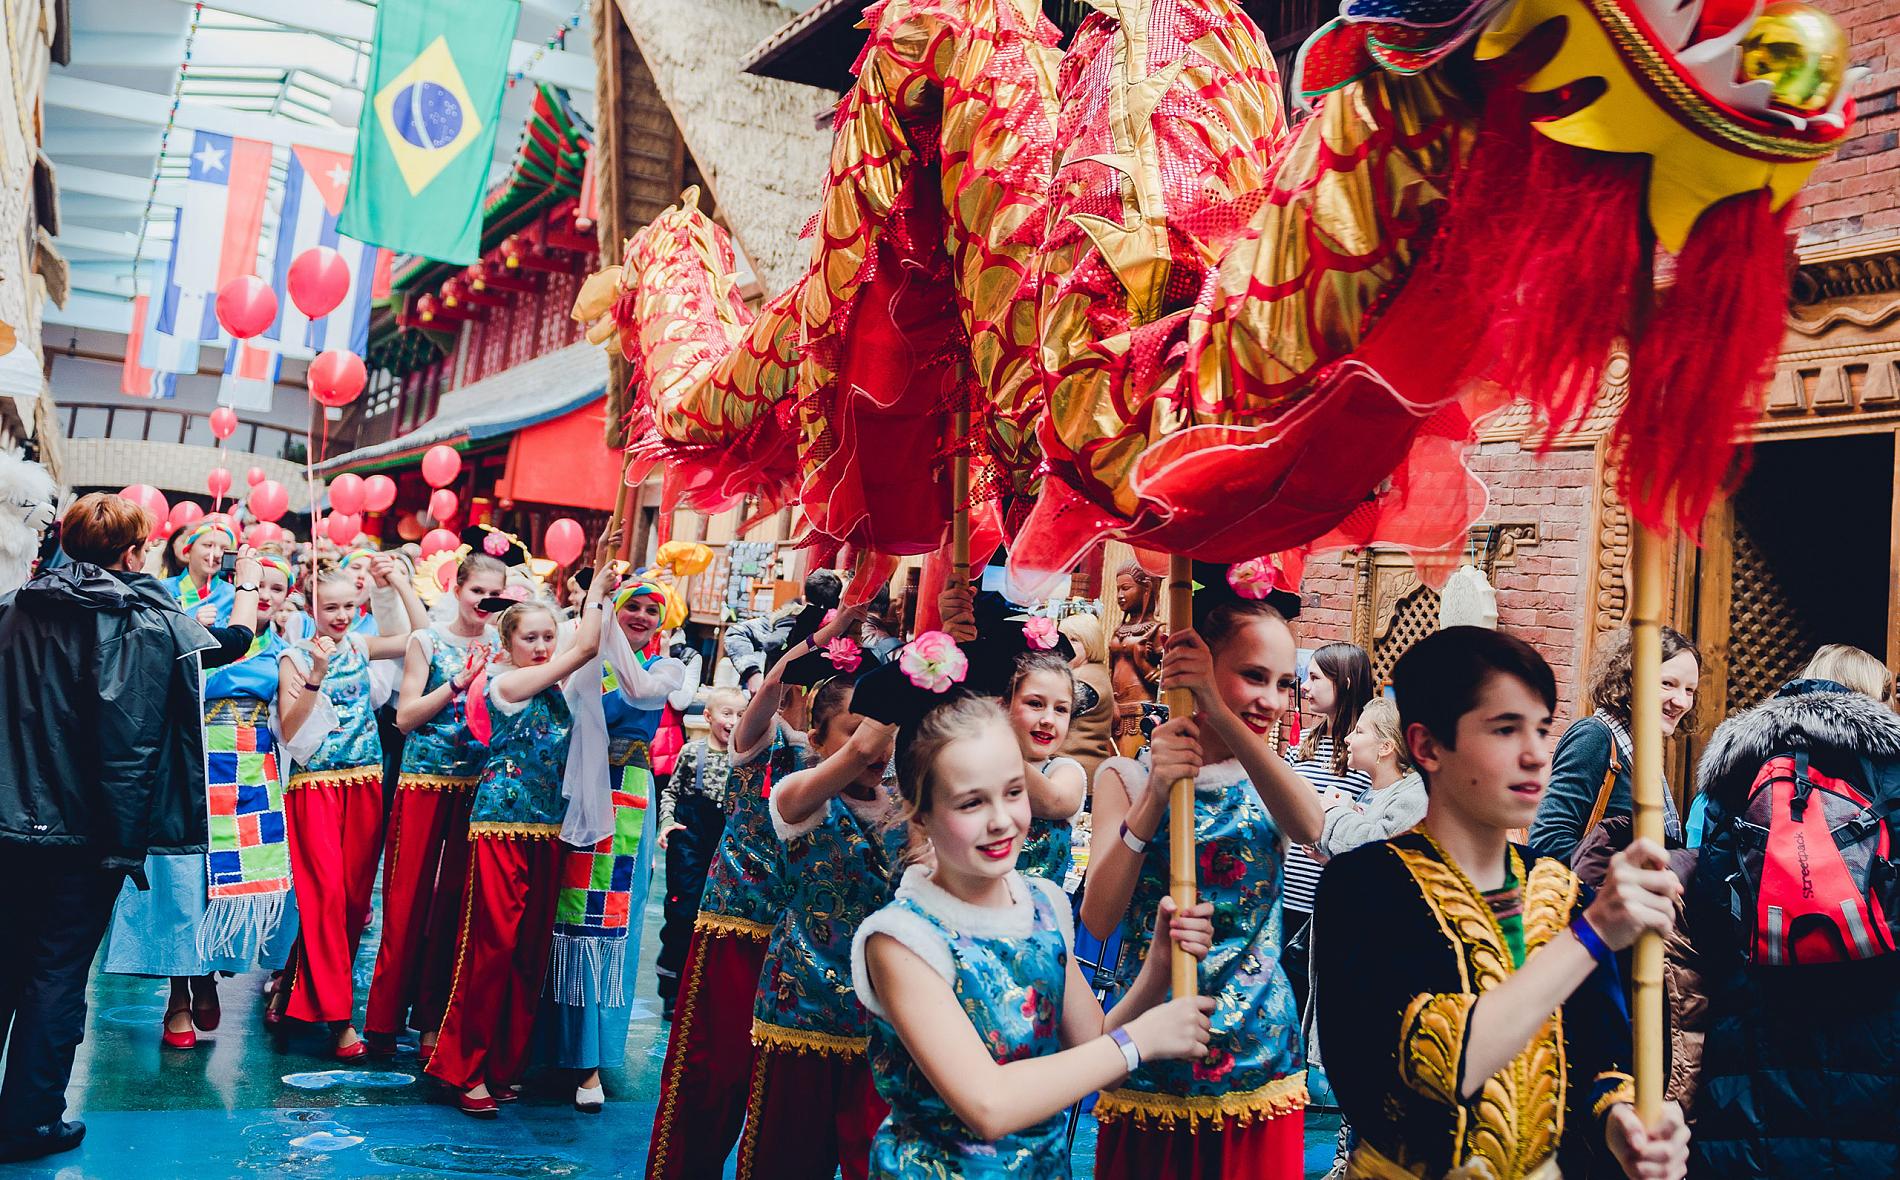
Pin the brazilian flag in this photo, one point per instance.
(427, 134)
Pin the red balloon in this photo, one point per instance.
(246, 306)
(347, 494)
(153, 501)
(343, 527)
(254, 476)
(440, 465)
(336, 377)
(269, 500)
(218, 482)
(564, 541)
(318, 280)
(438, 541)
(224, 423)
(261, 533)
(184, 514)
(442, 505)
(379, 492)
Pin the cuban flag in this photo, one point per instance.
(214, 240)
(314, 190)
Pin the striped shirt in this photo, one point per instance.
(1302, 871)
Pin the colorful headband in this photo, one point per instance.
(281, 565)
(203, 528)
(645, 585)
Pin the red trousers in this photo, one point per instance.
(810, 1116)
(425, 873)
(708, 1069)
(1263, 1149)
(336, 838)
(502, 960)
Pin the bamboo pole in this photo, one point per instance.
(1181, 882)
(960, 502)
(604, 548)
(1646, 603)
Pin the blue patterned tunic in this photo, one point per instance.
(1049, 849)
(519, 795)
(744, 890)
(1254, 1067)
(837, 869)
(441, 752)
(353, 751)
(1008, 969)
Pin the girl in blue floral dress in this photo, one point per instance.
(1041, 701)
(514, 874)
(971, 977)
(1238, 1112)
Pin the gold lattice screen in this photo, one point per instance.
(1415, 617)
(1769, 640)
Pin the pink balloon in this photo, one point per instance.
(184, 514)
(153, 501)
(246, 306)
(442, 504)
(224, 423)
(262, 533)
(254, 476)
(218, 482)
(318, 280)
(343, 527)
(379, 492)
(336, 377)
(269, 500)
(440, 465)
(347, 494)
(564, 541)
(438, 541)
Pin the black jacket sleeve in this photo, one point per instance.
(1576, 775)
(133, 677)
(233, 642)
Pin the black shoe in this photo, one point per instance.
(666, 1009)
(41, 1142)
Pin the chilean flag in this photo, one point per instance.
(313, 197)
(214, 240)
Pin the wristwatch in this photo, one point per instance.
(251, 586)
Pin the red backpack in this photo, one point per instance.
(1816, 881)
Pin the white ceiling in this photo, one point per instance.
(268, 69)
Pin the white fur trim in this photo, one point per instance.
(914, 934)
(788, 831)
(1082, 807)
(1064, 908)
(1015, 921)
(495, 698)
(1133, 776)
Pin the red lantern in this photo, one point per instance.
(224, 423)
(564, 541)
(336, 377)
(438, 541)
(343, 527)
(347, 494)
(254, 476)
(269, 500)
(440, 465)
(442, 505)
(379, 492)
(153, 501)
(218, 482)
(318, 280)
(246, 306)
(184, 514)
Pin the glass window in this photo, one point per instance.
(89, 422)
(198, 432)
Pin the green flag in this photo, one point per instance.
(427, 133)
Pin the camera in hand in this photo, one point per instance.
(1153, 714)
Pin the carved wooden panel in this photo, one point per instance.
(1392, 609)
(1768, 639)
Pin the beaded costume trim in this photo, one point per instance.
(778, 1038)
(727, 924)
(410, 780)
(1282, 1095)
(510, 831)
(358, 777)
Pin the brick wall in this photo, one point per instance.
(92, 464)
(1857, 193)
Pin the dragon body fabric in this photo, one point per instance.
(1181, 322)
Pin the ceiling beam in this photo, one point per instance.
(139, 106)
(136, 142)
(102, 313)
(152, 51)
(113, 243)
(120, 186)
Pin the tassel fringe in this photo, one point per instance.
(577, 962)
(239, 926)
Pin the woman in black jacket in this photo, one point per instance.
(1800, 1074)
(102, 761)
(1594, 752)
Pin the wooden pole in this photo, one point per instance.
(1646, 605)
(604, 548)
(1181, 882)
(960, 503)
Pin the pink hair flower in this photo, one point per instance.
(933, 662)
(1254, 578)
(845, 654)
(1040, 632)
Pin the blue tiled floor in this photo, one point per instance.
(239, 1106)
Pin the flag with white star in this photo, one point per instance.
(214, 240)
(314, 187)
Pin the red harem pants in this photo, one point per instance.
(336, 836)
(425, 873)
(1272, 1148)
(708, 1069)
(811, 1115)
(501, 962)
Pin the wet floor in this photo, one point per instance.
(238, 1105)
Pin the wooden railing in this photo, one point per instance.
(164, 425)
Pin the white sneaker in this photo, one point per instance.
(589, 1099)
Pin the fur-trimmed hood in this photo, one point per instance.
(1805, 715)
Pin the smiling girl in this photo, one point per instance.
(1041, 699)
(514, 876)
(1236, 1112)
(986, 1031)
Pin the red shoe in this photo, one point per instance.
(507, 1094)
(381, 1045)
(206, 1016)
(179, 1040)
(478, 1108)
(355, 1052)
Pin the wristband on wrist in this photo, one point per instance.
(317, 687)
(1126, 1043)
(1591, 940)
(1135, 843)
